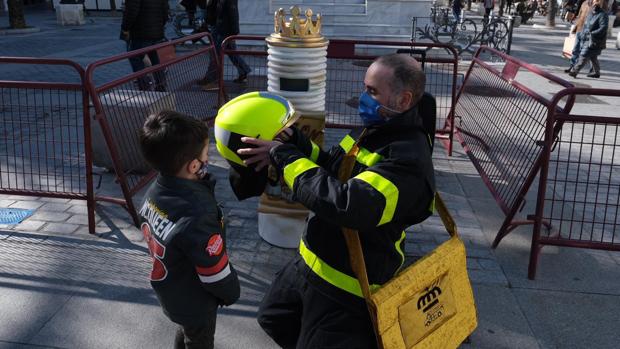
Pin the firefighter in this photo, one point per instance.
(315, 301)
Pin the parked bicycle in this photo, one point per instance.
(184, 24)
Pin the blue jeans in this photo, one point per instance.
(457, 14)
(137, 63)
(238, 62)
(576, 49)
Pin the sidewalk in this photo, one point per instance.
(63, 288)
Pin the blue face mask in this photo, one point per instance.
(369, 110)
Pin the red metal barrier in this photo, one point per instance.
(579, 190)
(45, 135)
(347, 61)
(123, 102)
(501, 122)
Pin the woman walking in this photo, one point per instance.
(594, 37)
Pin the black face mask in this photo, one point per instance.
(202, 171)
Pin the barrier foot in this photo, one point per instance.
(484, 145)
(506, 228)
(531, 270)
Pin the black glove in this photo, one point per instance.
(124, 35)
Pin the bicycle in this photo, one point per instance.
(183, 26)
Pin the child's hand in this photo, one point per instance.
(259, 154)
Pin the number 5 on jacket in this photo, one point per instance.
(157, 251)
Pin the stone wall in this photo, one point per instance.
(353, 19)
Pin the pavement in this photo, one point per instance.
(63, 288)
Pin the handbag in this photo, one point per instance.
(569, 44)
(429, 304)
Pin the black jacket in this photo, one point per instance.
(184, 228)
(595, 31)
(223, 15)
(392, 187)
(145, 19)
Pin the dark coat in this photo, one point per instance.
(145, 19)
(185, 231)
(223, 16)
(595, 32)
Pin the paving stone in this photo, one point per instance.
(30, 225)
(472, 263)
(28, 205)
(6, 202)
(132, 234)
(51, 206)
(55, 200)
(77, 202)
(478, 252)
(489, 264)
(22, 197)
(78, 219)
(487, 277)
(50, 216)
(60, 228)
(77, 209)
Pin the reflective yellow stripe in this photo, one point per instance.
(331, 275)
(432, 206)
(398, 249)
(294, 169)
(315, 152)
(365, 157)
(347, 143)
(385, 187)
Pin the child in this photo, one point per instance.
(183, 227)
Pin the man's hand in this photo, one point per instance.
(259, 155)
(124, 35)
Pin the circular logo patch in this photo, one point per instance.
(215, 245)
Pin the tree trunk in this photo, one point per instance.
(552, 8)
(113, 6)
(502, 4)
(16, 14)
(468, 5)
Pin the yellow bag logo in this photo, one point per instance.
(427, 310)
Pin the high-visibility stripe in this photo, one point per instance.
(385, 187)
(398, 249)
(432, 206)
(331, 275)
(216, 277)
(315, 152)
(294, 169)
(365, 157)
(347, 143)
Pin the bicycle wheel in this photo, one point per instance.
(182, 26)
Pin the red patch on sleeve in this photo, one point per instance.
(215, 245)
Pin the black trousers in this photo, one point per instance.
(195, 337)
(295, 315)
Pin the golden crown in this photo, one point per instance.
(297, 27)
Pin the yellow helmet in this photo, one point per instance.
(260, 115)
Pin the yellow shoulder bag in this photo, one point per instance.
(429, 304)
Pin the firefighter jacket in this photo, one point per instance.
(184, 229)
(391, 188)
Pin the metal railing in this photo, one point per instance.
(123, 102)
(579, 187)
(500, 123)
(45, 140)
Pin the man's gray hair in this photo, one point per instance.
(408, 74)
